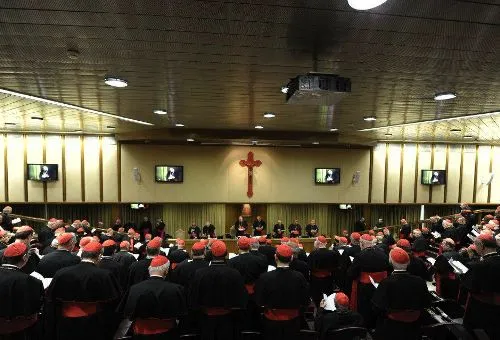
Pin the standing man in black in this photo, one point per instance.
(405, 229)
(60, 258)
(145, 228)
(312, 230)
(259, 227)
(123, 256)
(139, 270)
(208, 230)
(360, 225)
(295, 229)
(160, 228)
(279, 230)
(323, 263)
(283, 293)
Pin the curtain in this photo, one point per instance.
(93, 213)
(287, 213)
(392, 214)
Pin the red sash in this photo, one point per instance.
(321, 274)
(131, 244)
(17, 324)
(364, 277)
(78, 309)
(419, 253)
(153, 326)
(404, 316)
(281, 314)
(173, 265)
(250, 288)
(438, 277)
(216, 311)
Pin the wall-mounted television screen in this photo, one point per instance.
(327, 175)
(169, 173)
(433, 177)
(42, 172)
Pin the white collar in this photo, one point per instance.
(10, 266)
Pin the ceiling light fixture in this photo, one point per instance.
(71, 106)
(179, 125)
(190, 140)
(160, 112)
(333, 130)
(445, 96)
(365, 4)
(455, 130)
(388, 134)
(115, 82)
(37, 118)
(259, 127)
(9, 124)
(477, 115)
(269, 115)
(468, 137)
(111, 127)
(370, 119)
(316, 143)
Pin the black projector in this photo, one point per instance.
(317, 88)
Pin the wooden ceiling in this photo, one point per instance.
(217, 66)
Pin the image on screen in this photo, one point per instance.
(169, 173)
(42, 172)
(327, 175)
(434, 177)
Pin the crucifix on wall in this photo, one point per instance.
(250, 163)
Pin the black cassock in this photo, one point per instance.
(125, 258)
(418, 267)
(399, 302)
(283, 293)
(279, 230)
(302, 267)
(45, 236)
(185, 272)
(310, 228)
(369, 262)
(139, 271)
(295, 230)
(176, 257)
(258, 224)
(21, 297)
(218, 293)
(323, 263)
(268, 251)
(326, 321)
(345, 263)
(117, 269)
(154, 305)
(58, 259)
(241, 225)
(447, 284)
(209, 230)
(194, 232)
(483, 305)
(81, 300)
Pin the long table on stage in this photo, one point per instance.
(232, 246)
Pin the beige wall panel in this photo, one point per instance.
(453, 180)
(439, 164)
(424, 163)
(213, 174)
(495, 183)
(16, 167)
(2, 169)
(73, 169)
(91, 169)
(109, 169)
(483, 169)
(468, 173)
(53, 155)
(393, 173)
(34, 154)
(408, 189)
(378, 177)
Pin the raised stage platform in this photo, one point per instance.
(232, 247)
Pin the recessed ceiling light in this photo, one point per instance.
(333, 130)
(10, 124)
(259, 127)
(365, 4)
(445, 96)
(315, 143)
(269, 115)
(160, 112)
(455, 130)
(468, 137)
(115, 82)
(190, 140)
(70, 106)
(284, 89)
(388, 134)
(370, 118)
(110, 127)
(179, 125)
(37, 118)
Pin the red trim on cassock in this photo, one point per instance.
(419, 253)
(78, 309)
(216, 311)
(153, 326)
(17, 324)
(364, 277)
(404, 316)
(250, 287)
(321, 274)
(281, 314)
(437, 277)
(173, 265)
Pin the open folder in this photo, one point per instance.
(329, 302)
(458, 267)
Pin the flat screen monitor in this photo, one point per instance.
(137, 206)
(327, 175)
(42, 172)
(433, 177)
(169, 174)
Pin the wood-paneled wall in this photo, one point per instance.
(397, 171)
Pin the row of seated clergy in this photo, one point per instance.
(259, 228)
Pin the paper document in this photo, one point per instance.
(231, 255)
(165, 250)
(271, 268)
(375, 284)
(475, 233)
(458, 267)
(45, 281)
(471, 237)
(79, 254)
(431, 260)
(93, 230)
(329, 302)
(341, 251)
(137, 245)
(436, 234)
(16, 220)
(352, 258)
(136, 256)
(307, 254)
